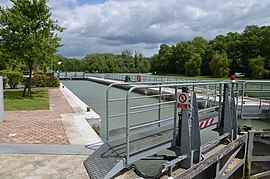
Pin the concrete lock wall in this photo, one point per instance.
(1, 100)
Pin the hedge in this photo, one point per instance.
(13, 78)
(45, 81)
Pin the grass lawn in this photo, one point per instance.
(14, 101)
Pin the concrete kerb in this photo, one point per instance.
(80, 119)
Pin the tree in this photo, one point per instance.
(256, 66)
(220, 65)
(28, 33)
(3, 64)
(182, 52)
(193, 66)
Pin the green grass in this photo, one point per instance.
(14, 101)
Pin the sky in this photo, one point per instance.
(112, 26)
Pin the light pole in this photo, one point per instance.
(58, 71)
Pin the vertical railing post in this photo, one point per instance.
(260, 106)
(175, 116)
(159, 106)
(107, 114)
(233, 113)
(220, 104)
(242, 101)
(127, 127)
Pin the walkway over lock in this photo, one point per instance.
(213, 106)
(164, 126)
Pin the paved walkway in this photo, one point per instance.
(37, 127)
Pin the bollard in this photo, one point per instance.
(88, 108)
(1, 100)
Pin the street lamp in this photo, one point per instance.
(58, 71)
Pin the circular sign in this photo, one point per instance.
(182, 98)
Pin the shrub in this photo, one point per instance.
(53, 81)
(13, 78)
(45, 81)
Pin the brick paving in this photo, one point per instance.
(39, 126)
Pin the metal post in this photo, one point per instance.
(195, 131)
(242, 102)
(175, 116)
(185, 138)
(220, 105)
(159, 106)
(1, 100)
(58, 71)
(233, 113)
(127, 128)
(226, 115)
(106, 127)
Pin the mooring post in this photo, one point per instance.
(1, 100)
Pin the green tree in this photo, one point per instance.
(3, 64)
(182, 52)
(193, 65)
(219, 65)
(28, 33)
(256, 66)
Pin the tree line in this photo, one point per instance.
(247, 52)
(126, 62)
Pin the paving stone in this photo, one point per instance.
(38, 126)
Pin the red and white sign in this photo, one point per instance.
(182, 100)
(207, 123)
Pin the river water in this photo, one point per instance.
(94, 94)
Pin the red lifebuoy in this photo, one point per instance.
(139, 78)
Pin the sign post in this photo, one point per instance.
(182, 100)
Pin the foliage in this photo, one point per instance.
(13, 100)
(219, 65)
(28, 33)
(3, 64)
(256, 66)
(193, 65)
(106, 63)
(239, 47)
(13, 78)
(45, 81)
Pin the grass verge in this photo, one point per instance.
(13, 100)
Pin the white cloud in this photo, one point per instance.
(116, 25)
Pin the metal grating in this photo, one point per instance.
(101, 163)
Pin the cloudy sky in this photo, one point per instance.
(112, 26)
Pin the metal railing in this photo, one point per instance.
(142, 115)
(145, 77)
(254, 96)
